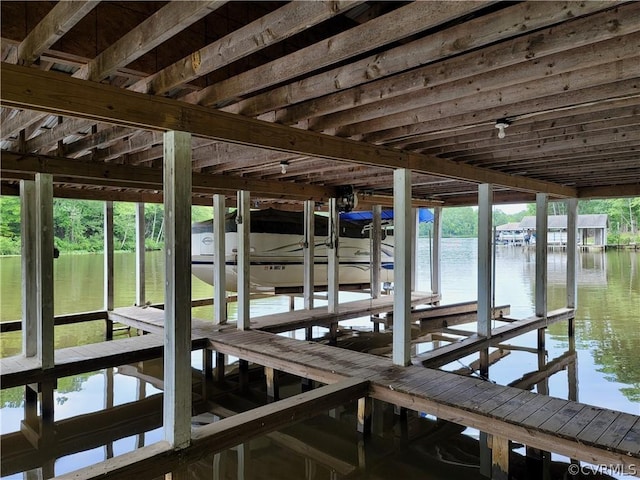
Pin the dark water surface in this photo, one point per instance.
(607, 346)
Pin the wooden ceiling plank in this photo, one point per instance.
(396, 25)
(626, 90)
(158, 28)
(484, 82)
(28, 88)
(268, 30)
(488, 29)
(526, 130)
(524, 94)
(563, 139)
(62, 18)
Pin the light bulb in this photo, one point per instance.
(283, 167)
(501, 125)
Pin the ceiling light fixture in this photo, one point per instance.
(501, 124)
(283, 166)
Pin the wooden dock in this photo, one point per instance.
(19, 370)
(152, 319)
(584, 432)
(579, 431)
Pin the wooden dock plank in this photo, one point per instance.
(512, 404)
(545, 412)
(563, 416)
(580, 421)
(597, 426)
(503, 395)
(617, 430)
(630, 443)
(530, 407)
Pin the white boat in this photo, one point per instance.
(276, 251)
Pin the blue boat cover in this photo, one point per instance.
(425, 215)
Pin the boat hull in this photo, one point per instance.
(276, 261)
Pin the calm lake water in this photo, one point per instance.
(607, 327)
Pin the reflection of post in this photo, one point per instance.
(141, 394)
(243, 451)
(108, 403)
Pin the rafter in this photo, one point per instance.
(59, 94)
(453, 41)
(272, 28)
(396, 25)
(62, 18)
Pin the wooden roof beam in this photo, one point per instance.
(332, 90)
(21, 87)
(396, 25)
(62, 18)
(162, 25)
(94, 173)
(268, 30)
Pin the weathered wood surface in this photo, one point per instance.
(537, 420)
(19, 370)
(473, 343)
(319, 316)
(152, 319)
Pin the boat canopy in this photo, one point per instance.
(424, 213)
(285, 222)
(270, 220)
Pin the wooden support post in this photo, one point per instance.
(365, 410)
(333, 281)
(542, 203)
(309, 253)
(273, 387)
(140, 255)
(500, 458)
(333, 334)
(207, 364)
(436, 257)
(308, 334)
(44, 270)
(572, 262)
(108, 266)
(29, 259)
(219, 261)
(415, 220)
(243, 375)
(402, 267)
(220, 366)
(244, 261)
(177, 307)
(485, 220)
(401, 425)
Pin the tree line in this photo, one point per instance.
(78, 224)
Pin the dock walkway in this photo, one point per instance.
(592, 434)
(149, 320)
